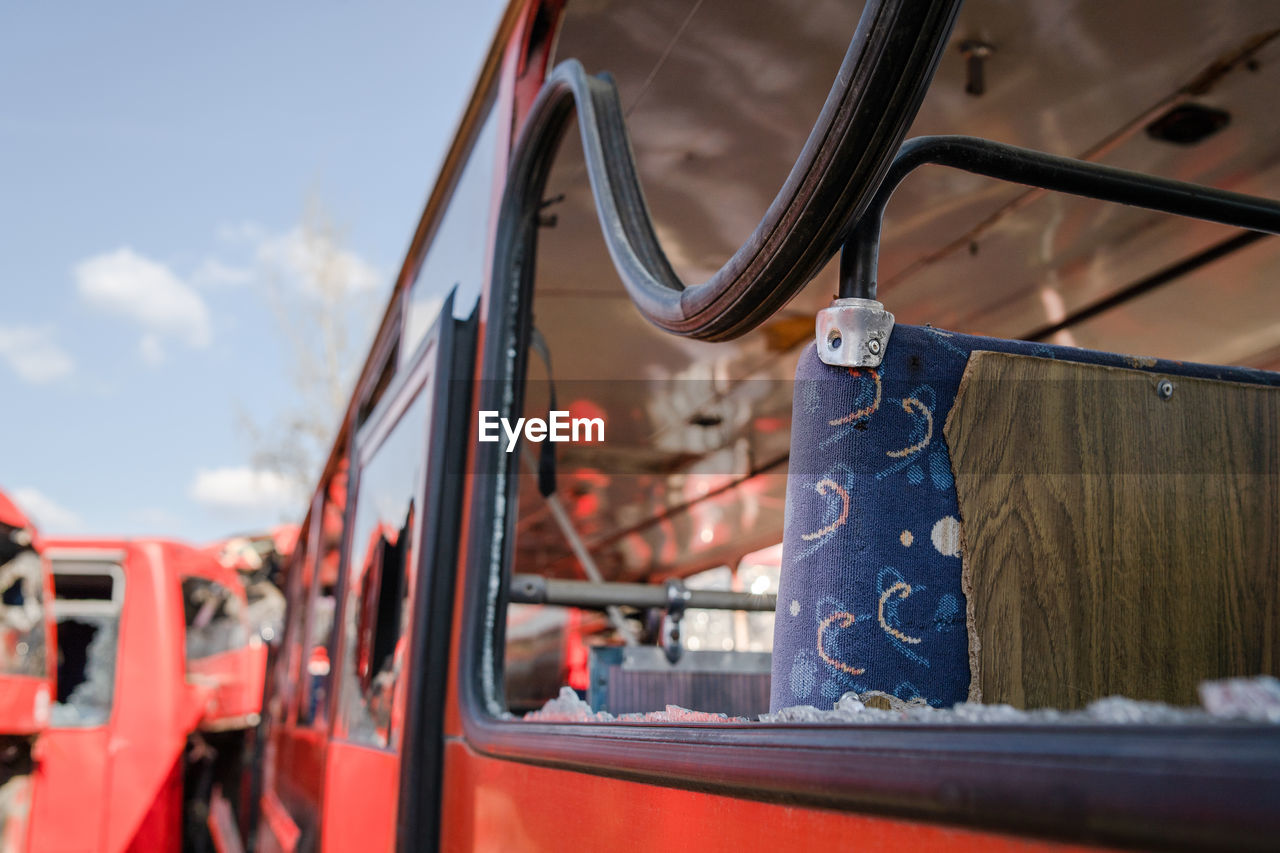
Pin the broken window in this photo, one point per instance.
(380, 579)
(709, 659)
(22, 612)
(320, 595)
(214, 617)
(88, 598)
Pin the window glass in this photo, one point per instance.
(22, 612)
(88, 597)
(287, 662)
(758, 574)
(380, 579)
(459, 250)
(314, 707)
(549, 647)
(214, 617)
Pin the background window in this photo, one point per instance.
(320, 598)
(214, 617)
(380, 580)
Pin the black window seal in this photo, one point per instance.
(422, 747)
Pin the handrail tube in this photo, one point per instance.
(589, 595)
(860, 258)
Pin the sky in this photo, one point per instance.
(157, 165)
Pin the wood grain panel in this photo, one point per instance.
(1116, 541)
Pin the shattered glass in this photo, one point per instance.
(1251, 700)
(22, 626)
(86, 687)
(213, 618)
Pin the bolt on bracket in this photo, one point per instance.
(853, 333)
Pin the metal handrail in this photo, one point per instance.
(591, 595)
(860, 257)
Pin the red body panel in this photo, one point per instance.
(492, 804)
(161, 827)
(361, 790)
(24, 704)
(72, 793)
(233, 684)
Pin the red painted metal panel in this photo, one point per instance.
(492, 804)
(360, 794)
(233, 680)
(161, 826)
(71, 796)
(24, 703)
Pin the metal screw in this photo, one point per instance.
(873, 346)
(1164, 389)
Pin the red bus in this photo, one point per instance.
(827, 575)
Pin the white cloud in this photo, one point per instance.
(48, 514)
(244, 488)
(151, 350)
(314, 264)
(145, 291)
(214, 273)
(32, 354)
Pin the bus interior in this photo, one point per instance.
(692, 482)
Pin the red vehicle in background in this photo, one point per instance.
(27, 667)
(159, 678)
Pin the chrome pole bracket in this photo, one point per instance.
(853, 333)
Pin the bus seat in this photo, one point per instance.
(870, 595)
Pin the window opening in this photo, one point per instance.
(214, 618)
(88, 599)
(22, 606)
(320, 603)
(380, 582)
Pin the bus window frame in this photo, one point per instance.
(301, 580)
(431, 370)
(322, 721)
(1143, 784)
(388, 412)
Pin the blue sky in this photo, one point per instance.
(157, 163)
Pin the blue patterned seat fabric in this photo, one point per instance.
(870, 595)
